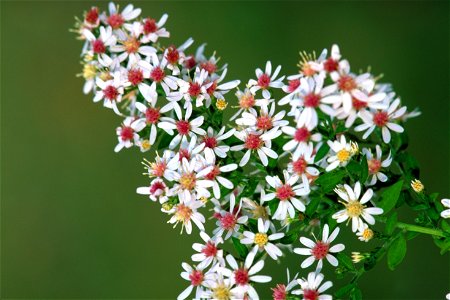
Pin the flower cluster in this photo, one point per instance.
(302, 156)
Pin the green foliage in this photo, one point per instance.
(323, 150)
(241, 249)
(396, 252)
(328, 181)
(391, 222)
(390, 196)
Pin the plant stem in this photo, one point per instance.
(421, 229)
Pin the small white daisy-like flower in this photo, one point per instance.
(281, 291)
(383, 119)
(231, 220)
(215, 175)
(291, 88)
(157, 191)
(127, 133)
(330, 64)
(218, 89)
(175, 56)
(155, 71)
(185, 151)
(116, 19)
(195, 89)
(246, 101)
(375, 163)
(209, 252)
(186, 213)
(302, 164)
(100, 44)
(364, 233)
(445, 213)
(343, 152)
(320, 249)
(266, 80)
(209, 144)
(222, 288)
(255, 141)
(256, 209)
(287, 194)
(198, 278)
(301, 136)
(111, 91)
(312, 287)
(355, 208)
(264, 120)
(262, 240)
(153, 30)
(159, 168)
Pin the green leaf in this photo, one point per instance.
(356, 294)
(391, 222)
(328, 181)
(273, 205)
(390, 196)
(241, 249)
(364, 169)
(345, 290)
(445, 226)
(290, 238)
(396, 252)
(323, 150)
(354, 168)
(345, 261)
(311, 208)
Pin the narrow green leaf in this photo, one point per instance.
(396, 252)
(390, 196)
(345, 261)
(241, 249)
(356, 294)
(328, 181)
(391, 222)
(345, 290)
(364, 169)
(445, 226)
(311, 208)
(323, 150)
(290, 238)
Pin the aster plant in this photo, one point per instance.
(282, 165)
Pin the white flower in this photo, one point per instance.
(159, 168)
(382, 119)
(244, 275)
(99, 45)
(185, 151)
(111, 91)
(343, 152)
(281, 291)
(209, 252)
(210, 144)
(155, 70)
(246, 101)
(301, 164)
(127, 133)
(229, 221)
(320, 249)
(216, 88)
(153, 30)
(364, 233)
(265, 120)
(286, 193)
(117, 19)
(222, 288)
(184, 126)
(198, 278)
(195, 89)
(157, 190)
(354, 208)
(262, 240)
(215, 175)
(301, 136)
(445, 213)
(312, 287)
(175, 56)
(375, 164)
(186, 213)
(266, 80)
(291, 88)
(255, 141)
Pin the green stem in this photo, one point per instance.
(421, 229)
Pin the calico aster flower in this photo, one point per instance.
(330, 64)
(186, 213)
(222, 289)
(262, 240)
(302, 163)
(217, 89)
(281, 291)
(175, 56)
(209, 144)
(185, 151)
(320, 249)
(287, 194)
(153, 30)
(209, 252)
(265, 120)
(155, 71)
(301, 136)
(127, 134)
(100, 45)
(157, 191)
(198, 279)
(185, 128)
(159, 168)
(375, 163)
(195, 89)
(256, 209)
(246, 101)
(117, 19)
(343, 152)
(291, 88)
(266, 80)
(231, 220)
(312, 287)
(259, 142)
(445, 213)
(355, 208)
(383, 119)
(215, 175)
(111, 91)
(364, 233)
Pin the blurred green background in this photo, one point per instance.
(71, 223)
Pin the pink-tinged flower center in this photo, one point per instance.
(293, 85)
(110, 93)
(150, 26)
(380, 118)
(183, 212)
(157, 74)
(135, 76)
(98, 46)
(157, 188)
(127, 133)
(210, 250)
(358, 104)
(132, 45)
(241, 276)
(194, 89)
(311, 100)
(320, 250)
(152, 115)
(210, 142)
(172, 55)
(183, 127)
(184, 153)
(374, 166)
(346, 83)
(300, 166)
(308, 70)
(264, 122)
(196, 277)
(158, 169)
(212, 88)
(214, 172)
(209, 67)
(92, 16)
(279, 292)
(264, 81)
(253, 142)
(330, 65)
(302, 134)
(310, 294)
(187, 181)
(115, 21)
(228, 221)
(285, 192)
(190, 62)
(246, 101)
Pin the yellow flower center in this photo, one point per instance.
(89, 71)
(183, 213)
(203, 199)
(417, 186)
(131, 45)
(354, 208)
(187, 181)
(145, 144)
(221, 104)
(261, 239)
(367, 234)
(343, 155)
(221, 292)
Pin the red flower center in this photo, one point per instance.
(194, 89)
(293, 85)
(214, 172)
(212, 88)
(152, 115)
(183, 127)
(127, 133)
(380, 118)
(157, 74)
(209, 67)
(210, 142)
(285, 192)
(253, 142)
(210, 250)
(279, 292)
(183, 153)
(264, 122)
(158, 169)
(157, 187)
(264, 81)
(115, 20)
(190, 62)
(330, 65)
(374, 166)
(320, 250)
(98, 46)
(110, 93)
(311, 100)
(172, 55)
(300, 166)
(150, 26)
(247, 101)
(228, 221)
(310, 294)
(241, 276)
(346, 83)
(196, 277)
(302, 134)
(358, 104)
(135, 76)
(92, 15)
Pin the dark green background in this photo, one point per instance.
(71, 223)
